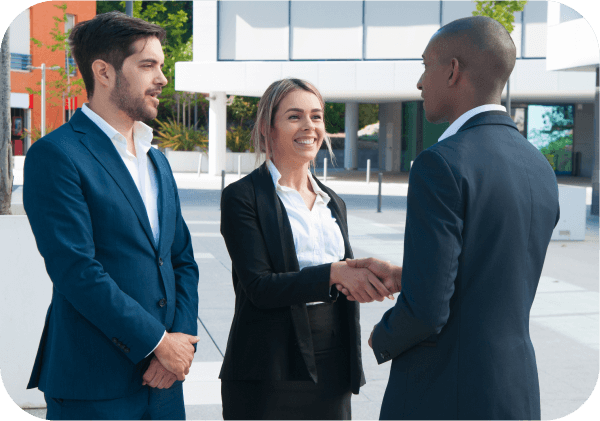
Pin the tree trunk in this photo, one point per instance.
(6, 159)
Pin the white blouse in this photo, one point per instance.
(317, 237)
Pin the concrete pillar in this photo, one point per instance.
(351, 142)
(217, 126)
(390, 136)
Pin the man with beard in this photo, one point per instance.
(121, 328)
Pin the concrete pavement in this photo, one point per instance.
(564, 318)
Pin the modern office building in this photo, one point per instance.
(26, 110)
(370, 52)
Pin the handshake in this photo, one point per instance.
(366, 280)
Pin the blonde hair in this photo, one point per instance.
(267, 108)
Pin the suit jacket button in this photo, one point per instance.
(162, 302)
(160, 262)
(115, 340)
(126, 350)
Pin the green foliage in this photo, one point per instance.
(238, 139)
(181, 138)
(557, 145)
(557, 133)
(65, 85)
(175, 18)
(334, 117)
(242, 109)
(502, 11)
(367, 114)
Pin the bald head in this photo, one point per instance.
(484, 49)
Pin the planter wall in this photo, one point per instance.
(187, 161)
(25, 294)
(571, 225)
(248, 161)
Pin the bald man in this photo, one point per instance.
(482, 204)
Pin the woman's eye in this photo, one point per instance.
(293, 117)
(317, 117)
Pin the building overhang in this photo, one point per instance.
(572, 46)
(370, 81)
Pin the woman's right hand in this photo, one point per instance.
(362, 284)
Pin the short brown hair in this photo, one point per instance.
(267, 108)
(109, 37)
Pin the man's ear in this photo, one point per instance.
(454, 72)
(104, 73)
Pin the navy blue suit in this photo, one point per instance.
(115, 291)
(482, 205)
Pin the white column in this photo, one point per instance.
(351, 142)
(217, 124)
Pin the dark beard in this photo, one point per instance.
(134, 106)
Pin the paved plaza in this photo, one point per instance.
(564, 318)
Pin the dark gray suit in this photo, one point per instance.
(482, 205)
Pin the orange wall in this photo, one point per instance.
(41, 23)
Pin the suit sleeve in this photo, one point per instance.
(251, 262)
(60, 220)
(432, 246)
(186, 273)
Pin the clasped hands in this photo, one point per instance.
(172, 360)
(366, 280)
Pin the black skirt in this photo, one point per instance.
(328, 399)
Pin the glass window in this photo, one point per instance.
(550, 129)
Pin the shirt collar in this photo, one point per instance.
(458, 123)
(276, 175)
(142, 133)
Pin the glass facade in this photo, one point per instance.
(550, 130)
(548, 127)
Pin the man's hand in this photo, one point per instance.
(361, 283)
(176, 352)
(390, 275)
(158, 376)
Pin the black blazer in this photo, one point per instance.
(482, 205)
(270, 334)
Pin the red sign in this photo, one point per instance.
(71, 103)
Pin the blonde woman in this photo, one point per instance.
(294, 346)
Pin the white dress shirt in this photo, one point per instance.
(139, 165)
(458, 123)
(317, 237)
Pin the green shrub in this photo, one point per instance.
(238, 139)
(181, 138)
(367, 114)
(334, 117)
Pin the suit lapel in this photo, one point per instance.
(270, 215)
(162, 201)
(280, 244)
(101, 147)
